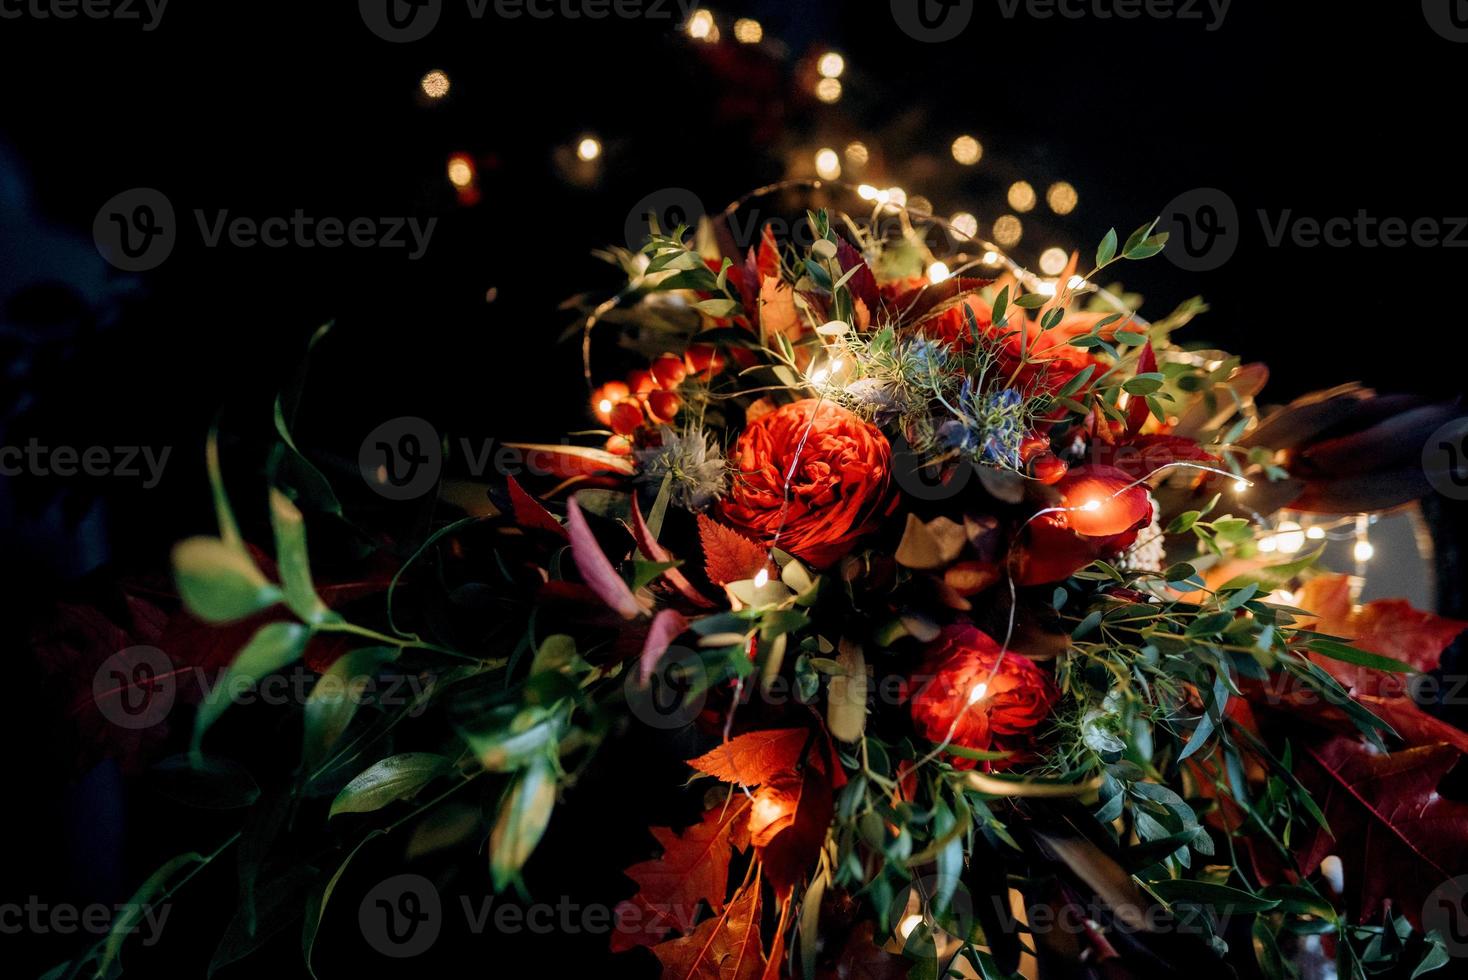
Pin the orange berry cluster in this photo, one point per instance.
(650, 396)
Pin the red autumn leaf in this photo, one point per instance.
(596, 569)
(1137, 410)
(725, 947)
(694, 868)
(728, 556)
(767, 262)
(573, 461)
(792, 852)
(754, 757)
(1396, 837)
(863, 284)
(529, 512)
(649, 546)
(665, 628)
(1390, 627)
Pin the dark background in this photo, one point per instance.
(263, 109)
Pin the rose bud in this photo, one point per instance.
(669, 371)
(1048, 468)
(626, 418)
(664, 405)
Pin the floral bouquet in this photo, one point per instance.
(961, 593)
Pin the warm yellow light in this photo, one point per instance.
(1241, 485)
(1022, 196)
(909, 924)
(589, 148)
(1076, 282)
(1289, 538)
(761, 578)
(435, 84)
(605, 406)
(867, 192)
(967, 150)
(857, 153)
(828, 90)
(1364, 551)
(977, 694)
(461, 171)
(828, 164)
(1008, 230)
(1091, 506)
(991, 258)
(938, 272)
(701, 26)
(1053, 261)
(831, 65)
(747, 30)
(1046, 288)
(1315, 532)
(896, 195)
(819, 375)
(1268, 544)
(1062, 198)
(965, 224)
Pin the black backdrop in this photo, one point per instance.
(1323, 110)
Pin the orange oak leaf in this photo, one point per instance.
(728, 556)
(754, 757)
(792, 852)
(725, 947)
(694, 868)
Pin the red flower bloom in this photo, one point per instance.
(1001, 716)
(839, 489)
(1058, 545)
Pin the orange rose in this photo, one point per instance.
(1000, 716)
(842, 474)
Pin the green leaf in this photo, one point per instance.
(1230, 900)
(335, 698)
(127, 922)
(1032, 301)
(1107, 251)
(272, 647)
(229, 530)
(218, 583)
(395, 778)
(1350, 655)
(523, 816)
(291, 557)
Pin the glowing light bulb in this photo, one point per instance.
(1091, 506)
(1364, 551)
(867, 192)
(1289, 538)
(1315, 533)
(461, 170)
(967, 150)
(747, 30)
(701, 25)
(991, 258)
(1053, 260)
(831, 65)
(1077, 282)
(435, 84)
(828, 164)
(979, 691)
(1241, 485)
(1267, 545)
(938, 272)
(909, 924)
(589, 148)
(828, 90)
(819, 375)
(761, 578)
(605, 406)
(965, 224)
(897, 196)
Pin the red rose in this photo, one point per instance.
(840, 484)
(1018, 698)
(1106, 516)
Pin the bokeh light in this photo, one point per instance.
(828, 164)
(857, 154)
(435, 84)
(747, 30)
(1022, 196)
(461, 170)
(1052, 261)
(828, 90)
(965, 224)
(831, 65)
(1062, 197)
(589, 148)
(967, 150)
(1008, 230)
